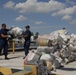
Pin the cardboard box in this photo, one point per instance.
(23, 73)
(5, 71)
(32, 68)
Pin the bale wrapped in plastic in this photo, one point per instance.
(72, 48)
(49, 65)
(67, 55)
(17, 31)
(42, 68)
(35, 58)
(41, 65)
(46, 49)
(44, 42)
(32, 62)
(31, 56)
(47, 57)
(56, 62)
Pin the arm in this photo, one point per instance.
(10, 28)
(25, 36)
(4, 36)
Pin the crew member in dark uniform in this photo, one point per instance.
(3, 40)
(27, 36)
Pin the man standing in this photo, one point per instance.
(27, 36)
(3, 40)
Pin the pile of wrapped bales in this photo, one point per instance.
(56, 50)
(59, 45)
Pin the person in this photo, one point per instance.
(3, 39)
(63, 31)
(27, 37)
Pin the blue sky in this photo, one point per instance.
(43, 16)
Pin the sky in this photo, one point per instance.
(43, 16)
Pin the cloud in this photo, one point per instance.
(66, 11)
(70, 2)
(35, 6)
(73, 22)
(67, 14)
(21, 18)
(39, 22)
(9, 4)
(67, 17)
(46, 27)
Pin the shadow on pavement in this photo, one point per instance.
(13, 57)
(68, 69)
(10, 58)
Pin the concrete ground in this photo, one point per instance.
(16, 61)
(69, 69)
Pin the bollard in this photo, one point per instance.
(13, 47)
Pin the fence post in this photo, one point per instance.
(13, 47)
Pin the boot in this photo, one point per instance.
(6, 58)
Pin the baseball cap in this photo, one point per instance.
(27, 26)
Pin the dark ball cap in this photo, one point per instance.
(3, 24)
(27, 26)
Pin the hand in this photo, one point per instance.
(11, 27)
(25, 36)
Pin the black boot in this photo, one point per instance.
(6, 58)
(24, 57)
